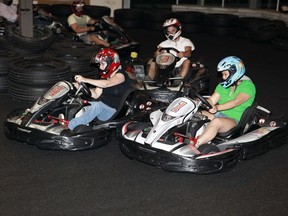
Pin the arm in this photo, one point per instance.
(78, 29)
(187, 53)
(239, 99)
(115, 80)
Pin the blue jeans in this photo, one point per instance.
(97, 109)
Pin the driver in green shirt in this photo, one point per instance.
(231, 97)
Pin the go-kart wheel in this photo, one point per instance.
(206, 104)
(85, 89)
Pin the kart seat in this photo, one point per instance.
(242, 126)
(122, 103)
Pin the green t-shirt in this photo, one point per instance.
(247, 87)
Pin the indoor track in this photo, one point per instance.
(103, 182)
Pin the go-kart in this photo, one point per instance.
(167, 139)
(114, 33)
(166, 87)
(44, 124)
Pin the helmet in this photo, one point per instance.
(172, 22)
(110, 57)
(236, 68)
(77, 7)
(7, 2)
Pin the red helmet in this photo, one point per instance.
(172, 22)
(77, 7)
(110, 57)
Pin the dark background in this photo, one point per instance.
(105, 182)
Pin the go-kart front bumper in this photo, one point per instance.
(172, 162)
(45, 140)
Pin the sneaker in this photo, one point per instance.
(67, 133)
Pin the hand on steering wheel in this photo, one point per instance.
(168, 50)
(85, 89)
(205, 103)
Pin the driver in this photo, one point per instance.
(79, 22)
(231, 97)
(172, 30)
(8, 10)
(107, 91)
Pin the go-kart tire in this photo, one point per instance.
(41, 40)
(39, 72)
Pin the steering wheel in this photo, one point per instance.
(85, 89)
(168, 50)
(206, 104)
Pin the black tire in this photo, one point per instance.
(41, 40)
(7, 56)
(128, 18)
(4, 83)
(190, 17)
(96, 12)
(265, 31)
(80, 64)
(22, 92)
(39, 72)
(61, 10)
(221, 20)
(157, 15)
(71, 46)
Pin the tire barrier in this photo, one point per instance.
(128, 18)
(6, 57)
(191, 21)
(41, 40)
(29, 78)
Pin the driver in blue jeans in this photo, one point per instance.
(108, 91)
(172, 30)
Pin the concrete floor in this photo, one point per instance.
(104, 182)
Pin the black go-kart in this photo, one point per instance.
(113, 33)
(167, 139)
(166, 87)
(44, 124)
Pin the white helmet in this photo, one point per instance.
(172, 22)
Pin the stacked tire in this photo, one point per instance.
(128, 18)
(221, 24)
(153, 19)
(6, 57)
(192, 21)
(30, 78)
(259, 29)
(76, 54)
(41, 40)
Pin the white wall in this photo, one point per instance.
(112, 4)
